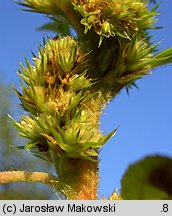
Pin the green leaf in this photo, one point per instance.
(148, 179)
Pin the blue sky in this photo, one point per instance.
(144, 117)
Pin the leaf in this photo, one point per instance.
(149, 178)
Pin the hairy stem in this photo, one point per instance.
(24, 176)
(81, 181)
(87, 181)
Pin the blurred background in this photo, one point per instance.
(144, 117)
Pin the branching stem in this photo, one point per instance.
(24, 176)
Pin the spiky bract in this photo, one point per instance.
(63, 120)
(115, 17)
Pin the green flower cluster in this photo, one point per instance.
(115, 17)
(72, 80)
(63, 120)
(135, 59)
